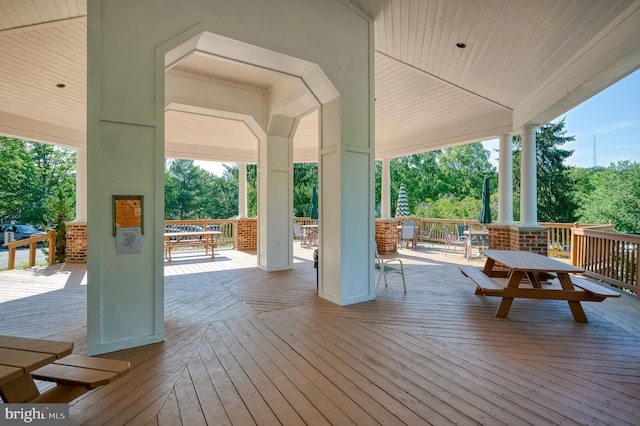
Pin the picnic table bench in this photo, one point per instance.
(180, 239)
(22, 360)
(535, 270)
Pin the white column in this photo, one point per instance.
(528, 185)
(275, 196)
(385, 196)
(242, 190)
(505, 181)
(81, 184)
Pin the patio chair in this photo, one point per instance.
(460, 242)
(389, 266)
(408, 234)
(461, 229)
(427, 237)
(298, 233)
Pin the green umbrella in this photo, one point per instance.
(485, 211)
(314, 203)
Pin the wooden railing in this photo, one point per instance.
(223, 225)
(33, 243)
(305, 220)
(559, 233)
(607, 256)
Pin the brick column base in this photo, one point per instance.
(387, 236)
(76, 241)
(245, 234)
(521, 238)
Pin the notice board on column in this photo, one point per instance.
(128, 223)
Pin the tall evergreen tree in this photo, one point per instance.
(556, 189)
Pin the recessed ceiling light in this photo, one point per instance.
(461, 45)
(61, 85)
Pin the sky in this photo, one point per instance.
(611, 118)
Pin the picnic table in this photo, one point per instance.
(22, 360)
(529, 275)
(180, 239)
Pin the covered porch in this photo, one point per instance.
(245, 346)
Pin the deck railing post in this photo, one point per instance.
(52, 247)
(574, 246)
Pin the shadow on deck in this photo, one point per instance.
(243, 346)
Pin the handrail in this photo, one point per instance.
(33, 242)
(607, 256)
(559, 233)
(225, 226)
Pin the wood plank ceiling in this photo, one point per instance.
(429, 93)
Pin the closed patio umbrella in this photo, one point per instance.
(485, 211)
(314, 203)
(402, 205)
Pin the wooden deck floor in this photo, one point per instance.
(245, 346)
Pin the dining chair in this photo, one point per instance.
(460, 242)
(298, 233)
(427, 237)
(408, 234)
(389, 266)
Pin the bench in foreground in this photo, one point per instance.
(22, 360)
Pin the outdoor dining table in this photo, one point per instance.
(311, 232)
(190, 239)
(476, 238)
(20, 356)
(524, 267)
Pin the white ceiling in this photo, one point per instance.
(524, 62)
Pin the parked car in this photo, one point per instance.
(20, 232)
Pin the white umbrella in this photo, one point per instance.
(402, 205)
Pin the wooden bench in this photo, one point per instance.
(485, 284)
(595, 289)
(76, 374)
(175, 240)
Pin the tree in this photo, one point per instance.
(14, 161)
(614, 195)
(33, 173)
(556, 190)
(305, 176)
(462, 170)
(61, 213)
(450, 175)
(186, 186)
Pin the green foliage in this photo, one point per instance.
(449, 207)
(33, 173)
(556, 190)
(61, 213)
(305, 176)
(449, 177)
(193, 193)
(614, 195)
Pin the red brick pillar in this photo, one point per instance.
(533, 238)
(76, 241)
(245, 234)
(525, 238)
(499, 237)
(387, 236)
